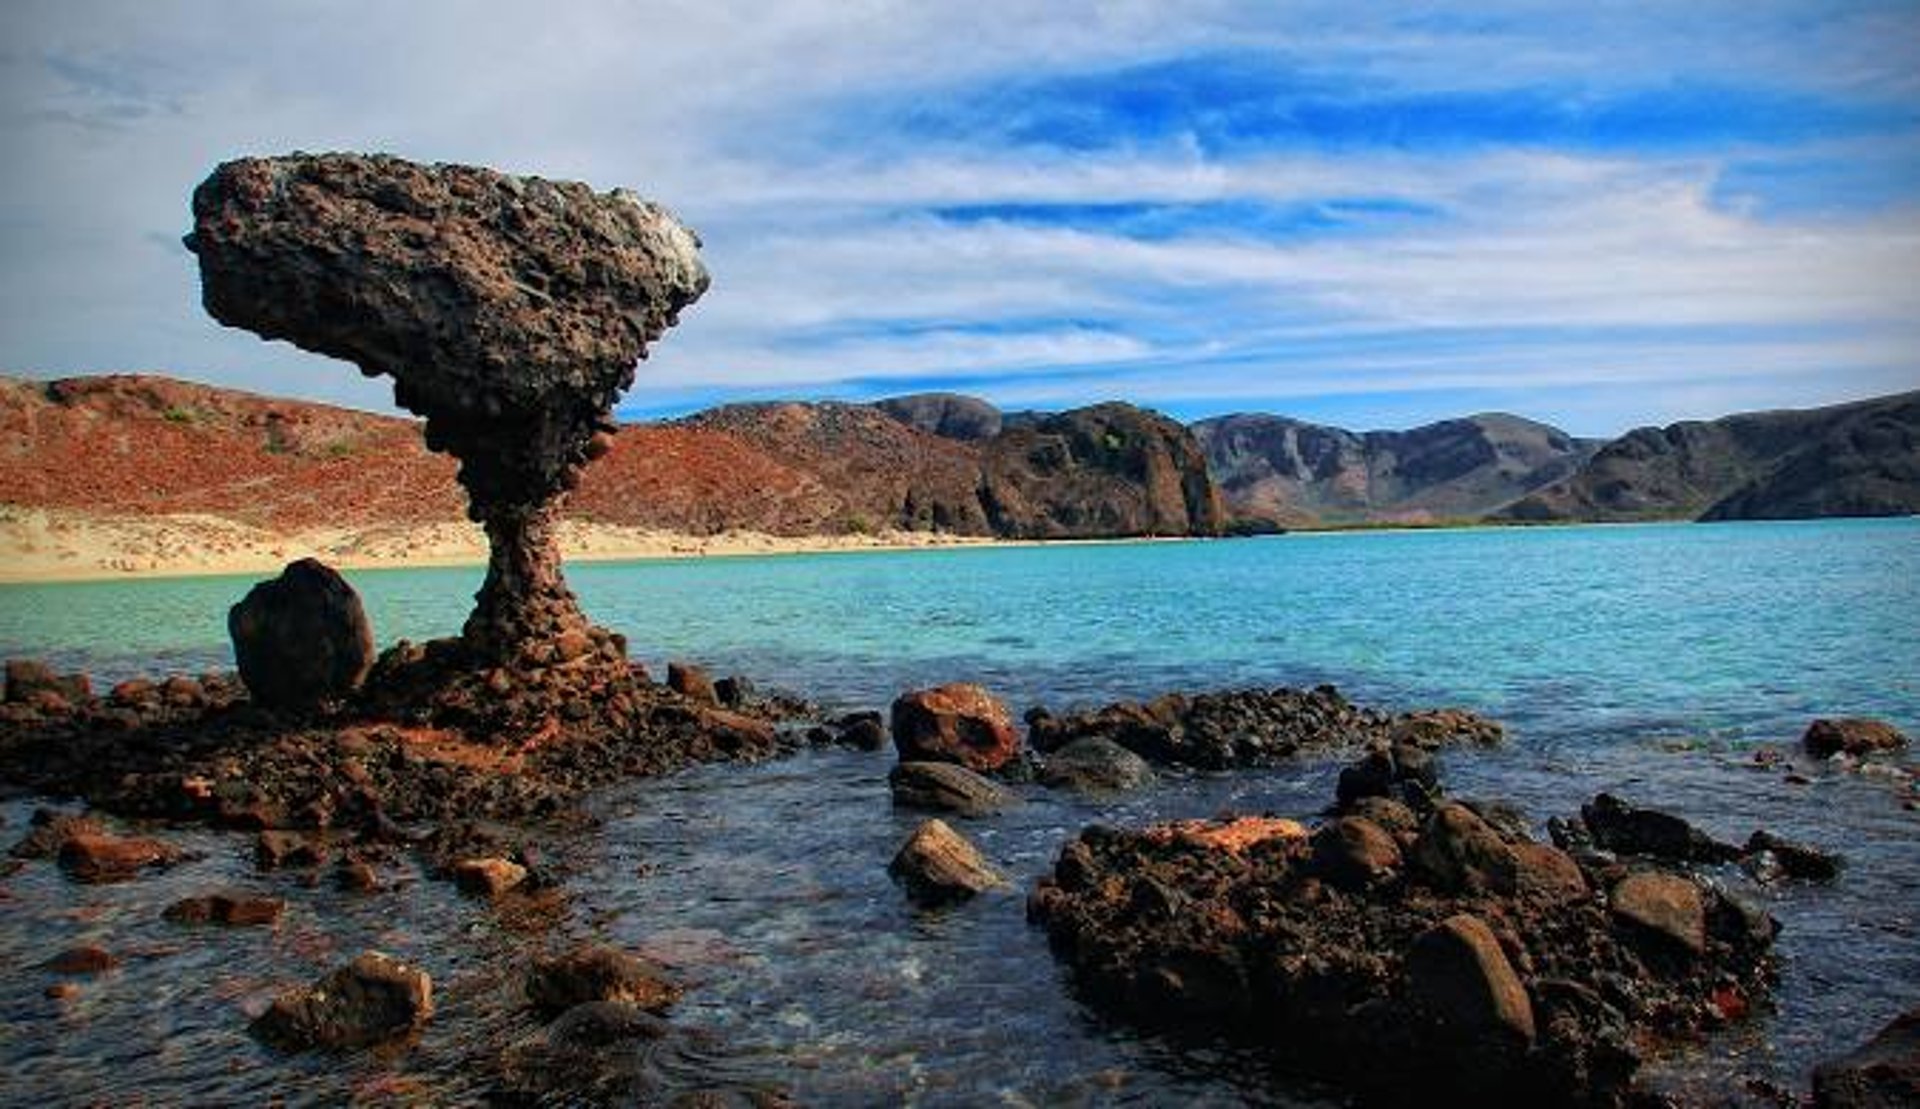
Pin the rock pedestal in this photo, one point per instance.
(510, 312)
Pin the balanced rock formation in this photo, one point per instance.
(510, 312)
(302, 638)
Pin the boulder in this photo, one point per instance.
(372, 999)
(1399, 772)
(302, 639)
(1095, 765)
(511, 313)
(691, 681)
(947, 788)
(275, 850)
(1662, 905)
(1851, 735)
(489, 877)
(28, 679)
(1547, 874)
(1354, 853)
(1617, 826)
(1459, 852)
(862, 731)
(597, 972)
(604, 1023)
(958, 723)
(1883, 1073)
(1457, 975)
(226, 907)
(938, 866)
(101, 857)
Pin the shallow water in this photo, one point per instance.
(1645, 660)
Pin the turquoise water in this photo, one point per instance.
(1728, 629)
(1645, 660)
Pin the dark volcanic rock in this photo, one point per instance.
(370, 1000)
(947, 787)
(1618, 826)
(691, 681)
(948, 415)
(1491, 978)
(30, 679)
(302, 638)
(1241, 728)
(1851, 735)
(510, 312)
(938, 866)
(1883, 1073)
(1766, 853)
(1108, 470)
(958, 723)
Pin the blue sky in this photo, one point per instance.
(1372, 215)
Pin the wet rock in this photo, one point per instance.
(604, 1023)
(1459, 852)
(50, 829)
(357, 876)
(691, 682)
(1662, 905)
(84, 959)
(596, 972)
(1617, 826)
(510, 312)
(862, 731)
(232, 908)
(937, 866)
(28, 679)
(1767, 852)
(1458, 975)
(373, 999)
(1851, 735)
(735, 691)
(100, 857)
(280, 850)
(1353, 853)
(489, 877)
(302, 639)
(947, 787)
(957, 723)
(1398, 772)
(1883, 1073)
(1432, 729)
(1095, 765)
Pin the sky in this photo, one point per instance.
(1601, 215)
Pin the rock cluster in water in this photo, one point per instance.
(510, 312)
(1432, 948)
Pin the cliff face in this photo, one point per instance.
(1860, 459)
(1108, 470)
(1275, 469)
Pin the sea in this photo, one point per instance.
(1653, 661)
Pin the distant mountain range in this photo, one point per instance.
(149, 445)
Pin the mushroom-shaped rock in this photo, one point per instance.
(510, 312)
(372, 999)
(937, 866)
(957, 722)
(302, 638)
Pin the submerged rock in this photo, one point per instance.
(1851, 735)
(958, 723)
(372, 999)
(1767, 853)
(1617, 826)
(947, 787)
(597, 972)
(100, 857)
(84, 959)
(226, 907)
(301, 639)
(938, 866)
(1883, 1073)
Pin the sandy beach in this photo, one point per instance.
(48, 545)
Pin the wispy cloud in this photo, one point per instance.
(1606, 216)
